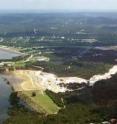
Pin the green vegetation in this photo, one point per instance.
(77, 68)
(20, 64)
(71, 114)
(81, 111)
(57, 98)
(69, 40)
(20, 115)
(41, 102)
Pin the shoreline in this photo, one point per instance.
(10, 49)
(5, 101)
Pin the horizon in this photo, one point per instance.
(5, 11)
(59, 5)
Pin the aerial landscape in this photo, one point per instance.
(58, 67)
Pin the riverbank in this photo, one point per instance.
(8, 53)
(10, 49)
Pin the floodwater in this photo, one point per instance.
(7, 54)
(5, 91)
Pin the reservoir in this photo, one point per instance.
(5, 92)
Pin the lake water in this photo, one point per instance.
(5, 92)
(7, 54)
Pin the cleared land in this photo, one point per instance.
(41, 102)
(30, 80)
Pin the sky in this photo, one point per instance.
(51, 5)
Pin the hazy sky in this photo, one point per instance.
(59, 4)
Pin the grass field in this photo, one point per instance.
(43, 102)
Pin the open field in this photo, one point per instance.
(41, 102)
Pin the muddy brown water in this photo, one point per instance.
(5, 91)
